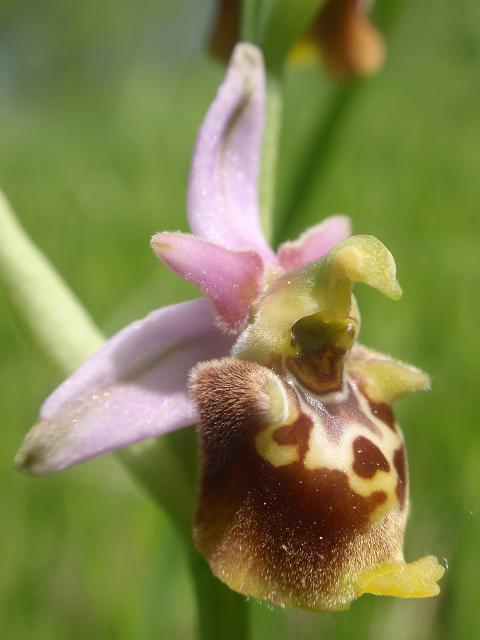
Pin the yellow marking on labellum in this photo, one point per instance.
(277, 454)
(404, 580)
(279, 411)
(385, 481)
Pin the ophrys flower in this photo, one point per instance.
(303, 495)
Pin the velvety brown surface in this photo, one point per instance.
(287, 534)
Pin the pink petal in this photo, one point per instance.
(231, 279)
(134, 387)
(314, 243)
(223, 191)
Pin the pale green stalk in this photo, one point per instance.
(271, 140)
(250, 9)
(61, 327)
(279, 25)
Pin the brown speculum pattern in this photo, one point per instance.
(304, 487)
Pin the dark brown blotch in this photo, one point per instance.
(383, 412)
(368, 459)
(400, 464)
(297, 433)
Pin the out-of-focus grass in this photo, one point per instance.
(99, 104)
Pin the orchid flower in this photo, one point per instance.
(303, 494)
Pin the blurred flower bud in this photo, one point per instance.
(344, 37)
(225, 31)
(340, 34)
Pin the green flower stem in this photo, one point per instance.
(319, 149)
(222, 613)
(316, 156)
(278, 25)
(167, 467)
(159, 467)
(271, 140)
(250, 10)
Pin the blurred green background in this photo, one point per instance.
(99, 107)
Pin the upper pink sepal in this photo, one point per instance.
(314, 243)
(133, 388)
(223, 191)
(232, 280)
